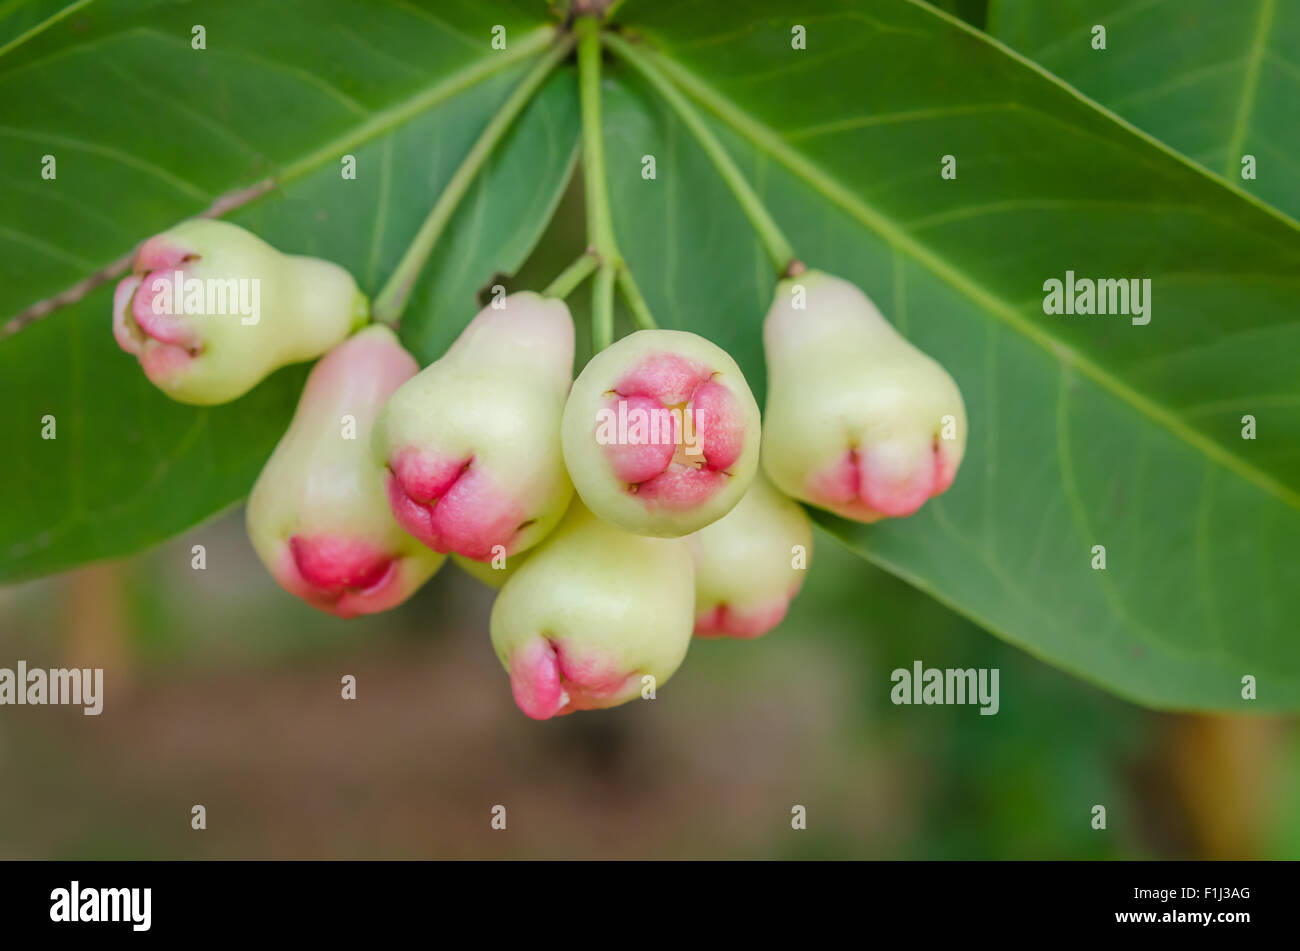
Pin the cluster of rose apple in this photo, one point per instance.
(386, 469)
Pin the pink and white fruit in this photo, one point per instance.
(210, 310)
(661, 433)
(591, 613)
(472, 443)
(318, 516)
(858, 421)
(750, 563)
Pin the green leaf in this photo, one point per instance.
(1084, 430)
(147, 131)
(1215, 80)
(22, 20)
(974, 12)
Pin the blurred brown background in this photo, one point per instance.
(224, 691)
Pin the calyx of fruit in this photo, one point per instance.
(661, 433)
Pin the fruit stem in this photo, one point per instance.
(635, 302)
(599, 222)
(567, 280)
(600, 225)
(602, 309)
(778, 248)
(392, 298)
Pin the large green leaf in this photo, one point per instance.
(1214, 80)
(1084, 430)
(147, 131)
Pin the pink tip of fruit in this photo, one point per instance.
(451, 505)
(721, 431)
(163, 358)
(333, 564)
(163, 363)
(680, 487)
(535, 680)
(667, 377)
(872, 484)
(945, 470)
(724, 621)
(344, 576)
(160, 253)
(122, 331)
(547, 681)
(637, 462)
(158, 321)
(699, 416)
(424, 477)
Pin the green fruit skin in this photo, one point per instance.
(486, 573)
(619, 606)
(317, 483)
(307, 306)
(745, 563)
(497, 396)
(840, 376)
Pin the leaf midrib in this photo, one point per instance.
(767, 139)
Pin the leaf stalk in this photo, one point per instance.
(778, 247)
(613, 270)
(393, 297)
(568, 280)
